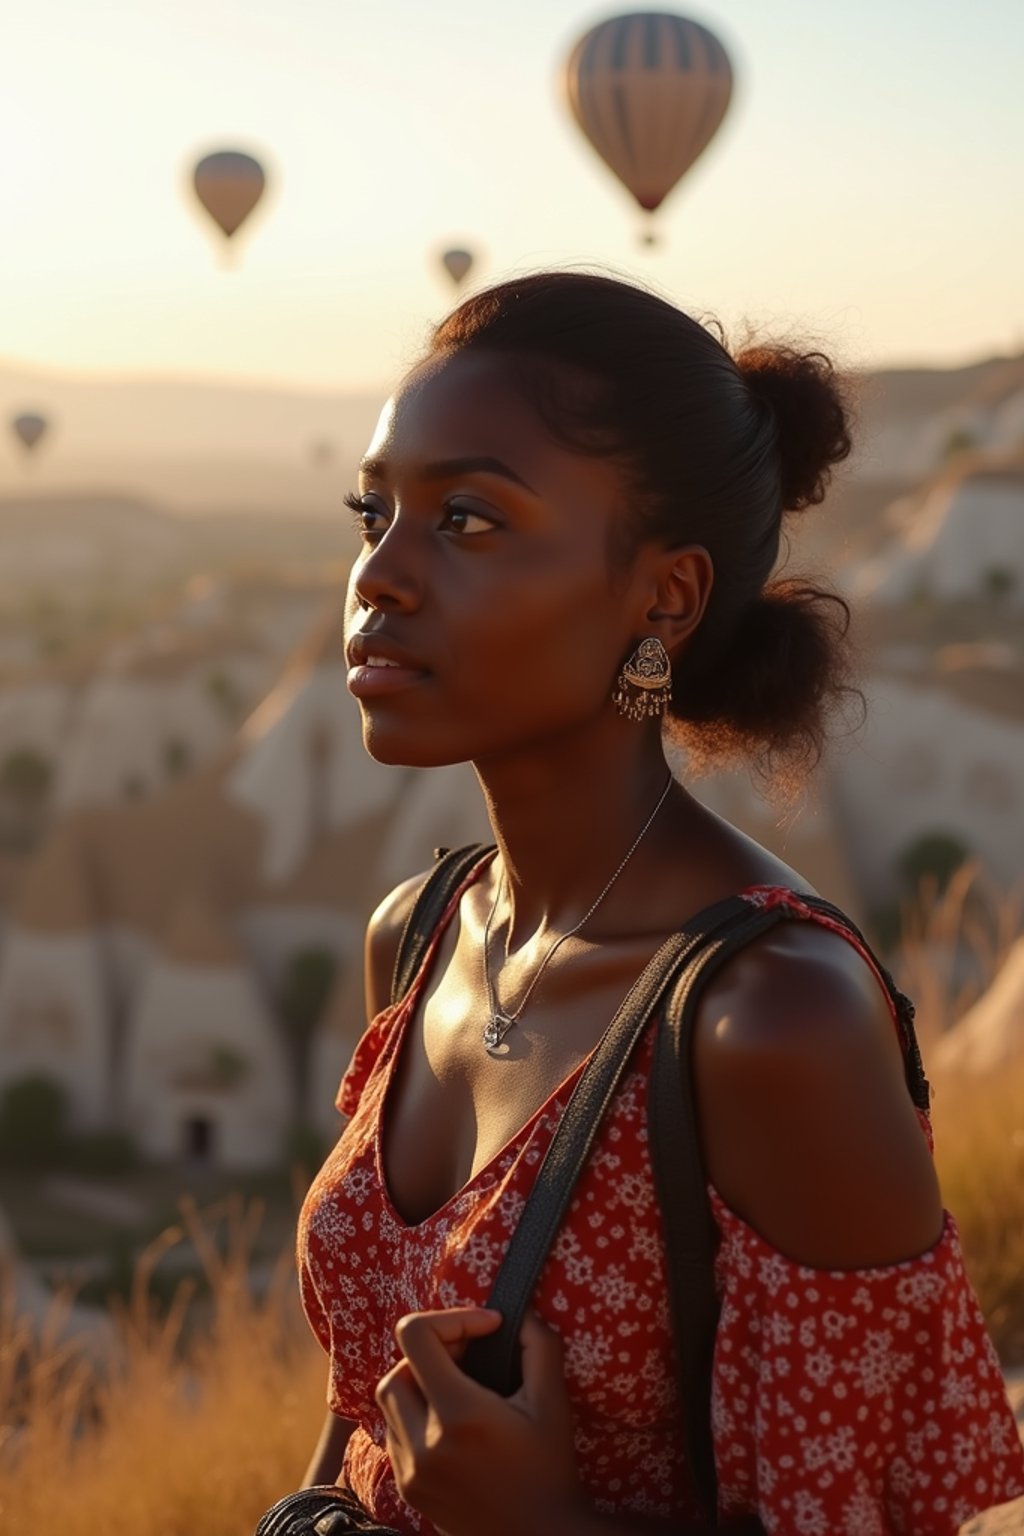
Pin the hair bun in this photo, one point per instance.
(811, 412)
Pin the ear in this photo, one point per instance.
(682, 580)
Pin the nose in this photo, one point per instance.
(386, 577)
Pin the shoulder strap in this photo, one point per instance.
(493, 1360)
(437, 890)
(680, 1183)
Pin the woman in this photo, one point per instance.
(576, 490)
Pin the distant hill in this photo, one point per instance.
(193, 446)
(199, 446)
(79, 545)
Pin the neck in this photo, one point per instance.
(565, 817)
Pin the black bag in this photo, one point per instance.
(676, 974)
(323, 1510)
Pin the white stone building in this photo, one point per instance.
(964, 541)
(150, 942)
(942, 751)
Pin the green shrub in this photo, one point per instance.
(934, 856)
(33, 1122)
(998, 580)
(225, 694)
(177, 755)
(106, 1153)
(228, 1067)
(958, 441)
(305, 1149)
(26, 776)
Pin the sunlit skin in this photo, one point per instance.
(485, 569)
(498, 579)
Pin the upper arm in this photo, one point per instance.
(383, 935)
(808, 1129)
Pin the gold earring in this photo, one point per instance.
(644, 686)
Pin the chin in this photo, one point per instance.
(400, 748)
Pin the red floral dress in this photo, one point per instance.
(845, 1403)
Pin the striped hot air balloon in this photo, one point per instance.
(649, 91)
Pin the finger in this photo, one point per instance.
(402, 1403)
(432, 1342)
(543, 1366)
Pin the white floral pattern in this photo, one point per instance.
(865, 1403)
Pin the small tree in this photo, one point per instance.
(308, 980)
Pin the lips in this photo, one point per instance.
(378, 650)
(379, 667)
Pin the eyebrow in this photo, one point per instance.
(450, 469)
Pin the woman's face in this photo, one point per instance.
(484, 574)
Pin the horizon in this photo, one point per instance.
(284, 385)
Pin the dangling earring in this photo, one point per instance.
(644, 685)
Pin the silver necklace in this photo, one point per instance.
(501, 1021)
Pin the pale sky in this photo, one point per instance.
(865, 187)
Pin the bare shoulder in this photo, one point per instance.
(383, 935)
(808, 1128)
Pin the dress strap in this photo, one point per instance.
(817, 909)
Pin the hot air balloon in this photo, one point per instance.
(229, 184)
(29, 428)
(649, 90)
(457, 264)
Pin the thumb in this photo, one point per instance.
(542, 1362)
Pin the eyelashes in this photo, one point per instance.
(455, 520)
(360, 511)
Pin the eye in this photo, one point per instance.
(368, 520)
(468, 520)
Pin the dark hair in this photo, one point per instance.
(714, 449)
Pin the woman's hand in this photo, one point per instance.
(467, 1458)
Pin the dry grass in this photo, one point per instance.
(191, 1428)
(955, 945)
(979, 1149)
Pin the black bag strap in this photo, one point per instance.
(681, 1181)
(437, 890)
(493, 1360)
(681, 1185)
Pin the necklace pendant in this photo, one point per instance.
(497, 1029)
